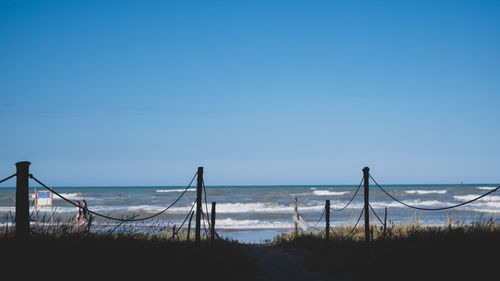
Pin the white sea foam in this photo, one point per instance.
(175, 190)
(293, 195)
(230, 223)
(486, 210)
(473, 196)
(327, 192)
(70, 196)
(258, 207)
(227, 223)
(439, 191)
(269, 208)
(486, 205)
(222, 208)
(5, 209)
(416, 203)
(486, 187)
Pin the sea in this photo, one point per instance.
(255, 214)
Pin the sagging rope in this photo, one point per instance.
(383, 224)
(433, 209)
(354, 228)
(185, 219)
(8, 178)
(113, 218)
(206, 204)
(322, 214)
(206, 208)
(350, 201)
(371, 208)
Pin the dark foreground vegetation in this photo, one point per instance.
(407, 253)
(73, 255)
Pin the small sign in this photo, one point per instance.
(43, 198)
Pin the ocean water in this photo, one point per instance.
(256, 213)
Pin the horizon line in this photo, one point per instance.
(255, 185)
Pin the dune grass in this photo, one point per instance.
(407, 253)
(63, 252)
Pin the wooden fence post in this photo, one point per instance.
(296, 212)
(199, 190)
(212, 229)
(449, 221)
(22, 200)
(385, 221)
(366, 176)
(36, 207)
(416, 219)
(327, 225)
(189, 225)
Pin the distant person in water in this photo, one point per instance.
(85, 212)
(86, 218)
(78, 217)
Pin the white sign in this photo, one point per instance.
(43, 198)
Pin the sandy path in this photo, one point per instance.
(274, 264)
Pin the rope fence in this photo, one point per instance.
(355, 225)
(384, 224)
(23, 217)
(433, 209)
(341, 209)
(348, 203)
(8, 178)
(205, 213)
(115, 218)
(322, 214)
(185, 219)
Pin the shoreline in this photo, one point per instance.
(241, 235)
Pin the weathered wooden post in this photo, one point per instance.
(173, 234)
(296, 213)
(22, 200)
(385, 221)
(212, 226)
(327, 225)
(449, 221)
(36, 208)
(189, 225)
(366, 176)
(416, 219)
(199, 189)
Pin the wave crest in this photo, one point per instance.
(326, 192)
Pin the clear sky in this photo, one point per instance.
(257, 92)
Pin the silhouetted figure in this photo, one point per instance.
(84, 211)
(86, 217)
(79, 214)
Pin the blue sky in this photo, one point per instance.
(264, 92)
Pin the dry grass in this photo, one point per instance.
(415, 253)
(62, 252)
